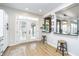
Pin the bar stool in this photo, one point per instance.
(62, 46)
(43, 38)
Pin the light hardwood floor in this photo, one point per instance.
(31, 49)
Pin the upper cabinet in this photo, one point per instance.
(47, 25)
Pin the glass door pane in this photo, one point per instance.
(33, 30)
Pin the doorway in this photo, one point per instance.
(26, 30)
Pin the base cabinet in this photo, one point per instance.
(3, 31)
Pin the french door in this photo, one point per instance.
(25, 30)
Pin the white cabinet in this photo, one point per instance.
(1, 23)
(3, 31)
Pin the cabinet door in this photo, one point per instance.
(5, 30)
(47, 24)
(1, 23)
(1, 32)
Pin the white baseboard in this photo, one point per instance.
(56, 47)
(22, 42)
(52, 44)
(71, 54)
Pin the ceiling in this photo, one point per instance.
(36, 8)
(69, 12)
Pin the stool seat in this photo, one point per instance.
(61, 41)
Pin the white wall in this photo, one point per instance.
(12, 13)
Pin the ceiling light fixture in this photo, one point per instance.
(40, 10)
(26, 8)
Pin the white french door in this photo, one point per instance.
(32, 32)
(25, 30)
(21, 30)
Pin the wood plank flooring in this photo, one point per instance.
(31, 49)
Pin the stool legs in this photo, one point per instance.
(62, 49)
(66, 47)
(57, 47)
